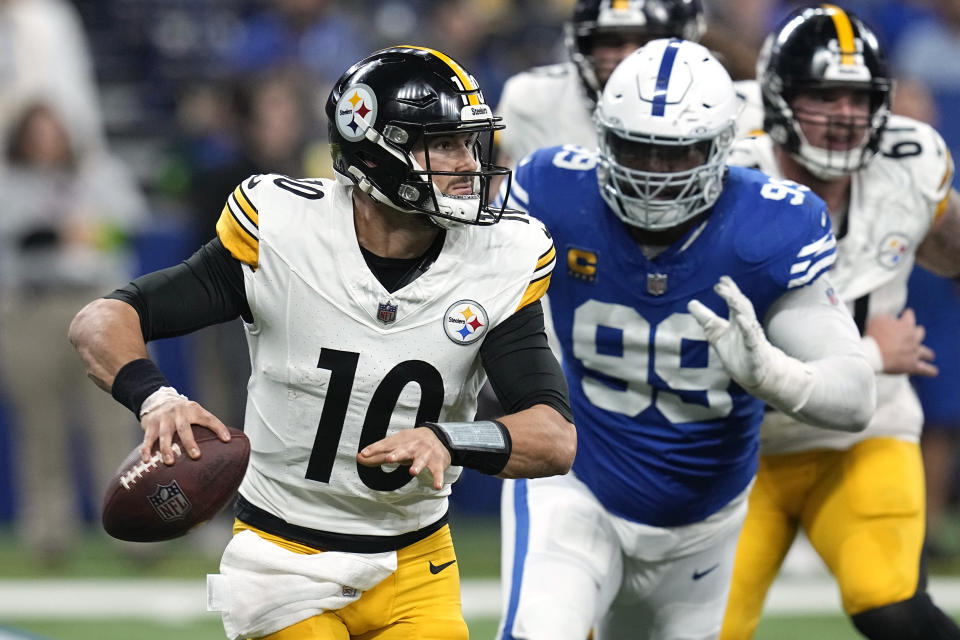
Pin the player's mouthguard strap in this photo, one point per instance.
(483, 445)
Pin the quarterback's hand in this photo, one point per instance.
(420, 448)
(175, 414)
(740, 342)
(901, 344)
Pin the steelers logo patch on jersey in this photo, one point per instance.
(465, 321)
(356, 111)
(893, 250)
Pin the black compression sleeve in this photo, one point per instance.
(205, 289)
(520, 365)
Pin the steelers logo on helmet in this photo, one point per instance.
(356, 111)
(465, 321)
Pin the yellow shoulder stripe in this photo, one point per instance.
(535, 291)
(241, 244)
(941, 207)
(947, 177)
(248, 209)
(546, 258)
(948, 174)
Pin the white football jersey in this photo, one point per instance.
(543, 107)
(893, 202)
(339, 363)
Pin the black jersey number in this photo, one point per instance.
(308, 189)
(343, 368)
(904, 149)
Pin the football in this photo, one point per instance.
(150, 501)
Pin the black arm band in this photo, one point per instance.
(135, 381)
(484, 445)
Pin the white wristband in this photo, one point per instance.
(159, 397)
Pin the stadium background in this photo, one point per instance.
(177, 84)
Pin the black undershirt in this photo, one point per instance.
(208, 288)
(396, 273)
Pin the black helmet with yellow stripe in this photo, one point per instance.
(819, 49)
(393, 102)
(638, 20)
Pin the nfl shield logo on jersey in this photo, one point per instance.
(656, 284)
(465, 321)
(386, 312)
(169, 501)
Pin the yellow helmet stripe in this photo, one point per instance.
(841, 22)
(458, 71)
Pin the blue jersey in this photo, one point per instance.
(665, 437)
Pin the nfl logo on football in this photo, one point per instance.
(169, 502)
(386, 312)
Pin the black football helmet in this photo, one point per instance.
(391, 103)
(820, 48)
(650, 19)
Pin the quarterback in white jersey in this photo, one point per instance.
(553, 104)
(376, 305)
(887, 183)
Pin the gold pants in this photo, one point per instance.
(863, 511)
(419, 601)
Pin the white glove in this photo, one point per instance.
(756, 365)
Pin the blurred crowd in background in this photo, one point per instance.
(124, 125)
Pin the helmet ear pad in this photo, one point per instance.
(394, 100)
(817, 48)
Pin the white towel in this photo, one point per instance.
(262, 587)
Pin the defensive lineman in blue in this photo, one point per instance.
(672, 260)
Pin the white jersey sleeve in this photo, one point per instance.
(543, 107)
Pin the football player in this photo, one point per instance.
(689, 296)
(553, 104)
(376, 305)
(859, 497)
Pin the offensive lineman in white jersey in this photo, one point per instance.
(886, 180)
(553, 104)
(375, 305)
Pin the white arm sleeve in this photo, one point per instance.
(805, 324)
